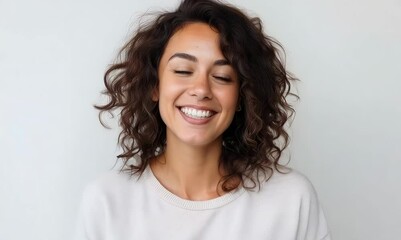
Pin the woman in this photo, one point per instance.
(202, 95)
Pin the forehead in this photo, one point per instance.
(196, 29)
(194, 36)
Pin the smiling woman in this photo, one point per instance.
(202, 95)
(195, 81)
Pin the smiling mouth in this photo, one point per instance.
(196, 113)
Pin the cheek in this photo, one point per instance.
(168, 94)
(169, 91)
(165, 110)
(229, 99)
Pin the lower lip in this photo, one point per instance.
(196, 121)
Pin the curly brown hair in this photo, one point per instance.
(256, 138)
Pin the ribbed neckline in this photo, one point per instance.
(173, 199)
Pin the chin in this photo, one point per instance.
(200, 141)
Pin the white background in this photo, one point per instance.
(346, 136)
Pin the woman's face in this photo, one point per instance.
(198, 89)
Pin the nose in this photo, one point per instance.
(201, 88)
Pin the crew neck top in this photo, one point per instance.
(177, 201)
(117, 206)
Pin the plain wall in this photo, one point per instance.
(346, 136)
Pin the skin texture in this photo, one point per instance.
(193, 73)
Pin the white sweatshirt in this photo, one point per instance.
(117, 207)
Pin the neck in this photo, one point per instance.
(190, 172)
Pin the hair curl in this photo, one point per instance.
(256, 138)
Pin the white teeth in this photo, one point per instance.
(194, 113)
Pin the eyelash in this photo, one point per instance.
(225, 79)
(182, 72)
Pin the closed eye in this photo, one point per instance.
(223, 78)
(182, 72)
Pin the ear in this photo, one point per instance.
(155, 94)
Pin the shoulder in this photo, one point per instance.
(111, 177)
(298, 191)
(288, 188)
(289, 181)
(109, 185)
(109, 192)
(105, 196)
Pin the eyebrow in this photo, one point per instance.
(220, 62)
